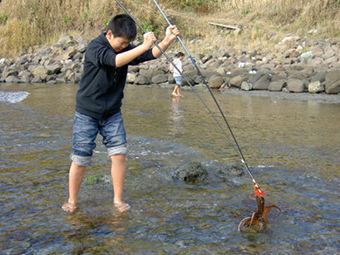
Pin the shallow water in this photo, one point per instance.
(291, 146)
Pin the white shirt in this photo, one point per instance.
(178, 63)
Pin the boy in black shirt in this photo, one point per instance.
(99, 100)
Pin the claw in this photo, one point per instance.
(259, 218)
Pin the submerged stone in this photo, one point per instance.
(192, 172)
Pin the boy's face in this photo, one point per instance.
(117, 43)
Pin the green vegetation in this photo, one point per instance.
(32, 22)
(3, 19)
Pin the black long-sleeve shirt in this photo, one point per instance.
(101, 88)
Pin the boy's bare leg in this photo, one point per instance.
(178, 92)
(118, 172)
(174, 92)
(76, 176)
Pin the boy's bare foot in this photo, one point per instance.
(122, 207)
(69, 207)
(180, 95)
(174, 94)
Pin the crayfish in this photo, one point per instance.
(259, 218)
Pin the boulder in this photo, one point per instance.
(246, 86)
(141, 80)
(319, 76)
(191, 173)
(295, 85)
(159, 78)
(262, 84)
(333, 81)
(316, 87)
(237, 80)
(131, 78)
(40, 70)
(215, 82)
(277, 85)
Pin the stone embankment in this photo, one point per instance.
(293, 65)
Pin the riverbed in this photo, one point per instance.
(291, 146)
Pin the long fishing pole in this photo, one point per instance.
(179, 71)
(192, 87)
(214, 98)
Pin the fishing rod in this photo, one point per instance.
(256, 186)
(179, 71)
(214, 98)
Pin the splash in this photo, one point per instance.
(13, 97)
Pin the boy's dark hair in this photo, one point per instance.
(123, 26)
(179, 54)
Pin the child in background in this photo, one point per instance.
(177, 76)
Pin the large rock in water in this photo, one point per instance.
(192, 172)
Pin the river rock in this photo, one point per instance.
(159, 78)
(141, 80)
(191, 173)
(333, 81)
(277, 85)
(237, 80)
(53, 69)
(40, 71)
(215, 82)
(319, 76)
(131, 78)
(263, 83)
(232, 170)
(246, 86)
(295, 85)
(316, 87)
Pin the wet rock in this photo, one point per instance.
(191, 173)
(229, 171)
(97, 179)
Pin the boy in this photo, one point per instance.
(177, 76)
(99, 99)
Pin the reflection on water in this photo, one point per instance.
(176, 117)
(292, 148)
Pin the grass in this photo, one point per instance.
(264, 22)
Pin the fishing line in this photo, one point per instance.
(192, 87)
(211, 93)
(185, 78)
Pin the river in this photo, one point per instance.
(291, 146)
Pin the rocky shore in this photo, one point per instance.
(297, 65)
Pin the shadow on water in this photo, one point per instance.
(292, 147)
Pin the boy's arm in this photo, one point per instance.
(170, 36)
(126, 57)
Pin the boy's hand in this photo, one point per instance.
(172, 32)
(149, 39)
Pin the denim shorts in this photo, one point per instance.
(85, 131)
(178, 80)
